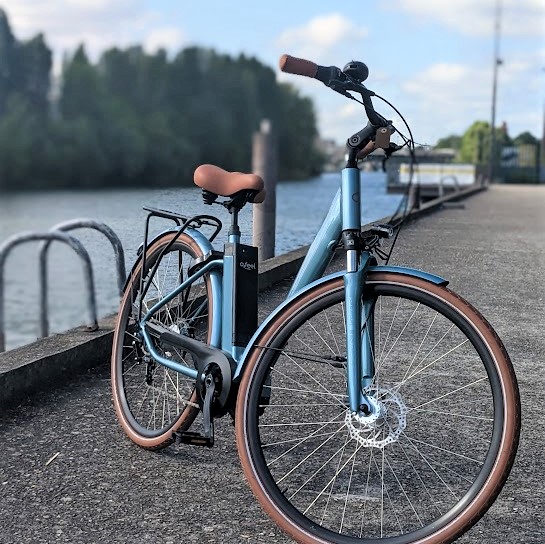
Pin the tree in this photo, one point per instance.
(450, 142)
(135, 119)
(475, 146)
(24, 145)
(82, 89)
(298, 133)
(7, 42)
(525, 138)
(31, 72)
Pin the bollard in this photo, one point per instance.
(264, 164)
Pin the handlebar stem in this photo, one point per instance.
(358, 141)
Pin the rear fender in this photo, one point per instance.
(214, 277)
(200, 239)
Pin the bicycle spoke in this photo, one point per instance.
(304, 440)
(448, 394)
(330, 481)
(315, 450)
(298, 440)
(451, 414)
(433, 501)
(428, 460)
(444, 450)
(420, 346)
(321, 393)
(384, 357)
(389, 330)
(432, 363)
(348, 487)
(326, 390)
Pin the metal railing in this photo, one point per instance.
(58, 233)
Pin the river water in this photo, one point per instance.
(301, 207)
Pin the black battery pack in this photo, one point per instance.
(245, 291)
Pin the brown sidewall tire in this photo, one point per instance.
(190, 413)
(511, 425)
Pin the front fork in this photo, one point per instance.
(359, 318)
(359, 335)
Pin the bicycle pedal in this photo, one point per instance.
(194, 439)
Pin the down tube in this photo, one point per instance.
(322, 248)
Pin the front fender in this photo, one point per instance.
(432, 278)
(414, 272)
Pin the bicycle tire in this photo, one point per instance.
(410, 472)
(148, 414)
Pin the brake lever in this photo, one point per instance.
(339, 87)
(388, 152)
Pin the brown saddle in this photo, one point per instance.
(224, 183)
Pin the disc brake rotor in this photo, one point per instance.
(384, 425)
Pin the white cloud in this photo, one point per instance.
(170, 38)
(94, 5)
(319, 35)
(447, 97)
(463, 82)
(97, 23)
(476, 17)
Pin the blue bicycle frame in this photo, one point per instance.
(344, 216)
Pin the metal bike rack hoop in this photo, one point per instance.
(75, 244)
(82, 223)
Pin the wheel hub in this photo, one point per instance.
(385, 422)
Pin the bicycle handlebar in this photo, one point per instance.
(336, 79)
(300, 67)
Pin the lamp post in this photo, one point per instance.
(497, 63)
(541, 165)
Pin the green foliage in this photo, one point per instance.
(525, 138)
(475, 146)
(450, 142)
(297, 118)
(139, 119)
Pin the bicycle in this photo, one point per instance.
(373, 404)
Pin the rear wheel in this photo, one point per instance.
(151, 401)
(430, 459)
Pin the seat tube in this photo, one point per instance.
(227, 310)
(240, 281)
(351, 226)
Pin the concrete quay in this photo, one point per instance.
(68, 474)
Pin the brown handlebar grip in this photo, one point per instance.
(301, 67)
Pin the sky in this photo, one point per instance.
(432, 59)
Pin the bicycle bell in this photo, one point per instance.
(356, 70)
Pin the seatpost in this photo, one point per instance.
(234, 230)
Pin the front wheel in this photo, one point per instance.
(431, 458)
